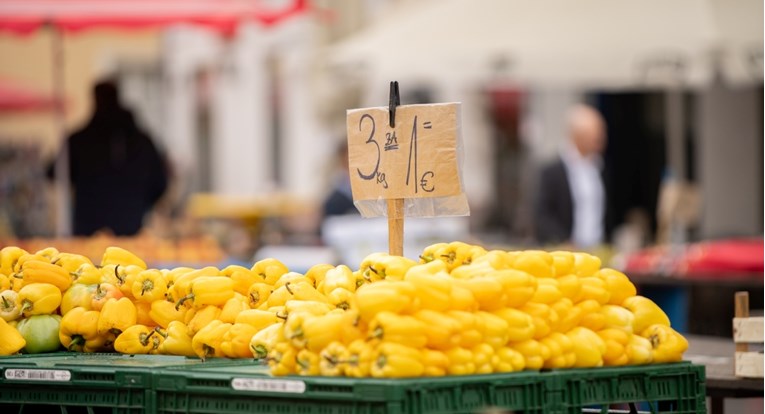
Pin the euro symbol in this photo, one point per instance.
(424, 182)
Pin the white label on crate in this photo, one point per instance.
(38, 374)
(268, 385)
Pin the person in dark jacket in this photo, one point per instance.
(571, 205)
(117, 173)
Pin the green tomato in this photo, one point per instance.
(40, 332)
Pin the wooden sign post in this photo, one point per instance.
(398, 157)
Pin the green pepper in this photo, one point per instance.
(40, 332)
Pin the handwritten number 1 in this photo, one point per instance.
(371, 139)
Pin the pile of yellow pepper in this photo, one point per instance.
(458, 310)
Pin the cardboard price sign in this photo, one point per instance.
(415, 159)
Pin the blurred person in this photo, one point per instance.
(570, 207)
(117, 173)
(339, 201)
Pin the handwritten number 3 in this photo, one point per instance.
(370, 140)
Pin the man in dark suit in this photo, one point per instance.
(570, 207)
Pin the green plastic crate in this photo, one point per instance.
(248, 388)
(663, 388)
(77, 382)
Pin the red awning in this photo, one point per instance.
(14, 97)
(26, 16)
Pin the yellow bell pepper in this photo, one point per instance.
(342, 299)
(291, 277)
(591, 316)
(78, 331)
(233, 307)
(163, 313)
(137, 339)
(258, 294)
(520, 325)
(639, 351)
(36, 271)
(111, 274)
(593, 288)
(468, 271)
(269, 270)
(338, 277)
(256, 318)
(534, 352)
(332, 359)
(569, 316)
(494, 329)
(508, 360)
(589, 348)
(318, 332)
(462, 299)
(543, 316)
(208, 290)
(39, 299)
(461, 361)
(9, 255)
(454, 254)
(496, 259)
(171, 275)
(562, 354)
(316, 273)
(585, 264)
(547, 291)
(104, 292)
(570, 286)
(617, 284)
(617, 317)
(354, 329)
(87, 274)
(304, 291)
(471, 332)
(12, 341)
(70, 261)
(5, 282)
(535, 262)
(29, 257)
(401, 329)
(242, 277)
(616, 341)
(441, 330)
(77, 295)
(359, 359)
(486, 290)
(10, 306)
(563, 262)
(116, 316)
(433, 284)
(435, 362)
(197, 318)
(380, 266)
(307, 362)
(177, 340)
(236, 341)
(668, 345)
(181, 285)
(282, 359)
(207, 341)
(119, 256)
(484, 358)
(149, 286)
(265, 339)
(394, 360)
(126, 276)
(646, 313)
(518, 287)
(391, 296)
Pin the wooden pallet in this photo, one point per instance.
(747, 330)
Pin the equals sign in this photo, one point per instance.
(427, 125)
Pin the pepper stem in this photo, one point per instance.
(260, 351)
(183, 299)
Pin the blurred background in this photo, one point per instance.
(245, 101)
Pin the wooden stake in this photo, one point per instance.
(396, 226)
(742, 311)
